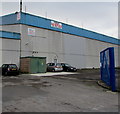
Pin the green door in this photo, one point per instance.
(38, 65)
(42, 65)
(34, 65)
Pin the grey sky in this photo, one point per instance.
(101, 17)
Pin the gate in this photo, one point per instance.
(108, 67)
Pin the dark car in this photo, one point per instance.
(54, 67)
(10, 69)
(67, 67)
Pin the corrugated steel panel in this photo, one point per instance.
(41, 22)
(9, 19)
(11, 35)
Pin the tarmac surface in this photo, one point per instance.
(63, 92)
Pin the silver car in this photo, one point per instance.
(54, 67)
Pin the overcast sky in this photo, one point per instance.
(101, 17)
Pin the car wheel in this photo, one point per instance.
(6, 73)
(76, 70)
(2, 73)
(53, 70)
(67, 70)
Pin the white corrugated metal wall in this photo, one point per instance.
(10, 51)
(77, 51)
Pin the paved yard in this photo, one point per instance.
(62, 93)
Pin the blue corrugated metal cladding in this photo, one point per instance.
(11, 35)
(36, 21)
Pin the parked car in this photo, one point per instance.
(67, 67)
(10, 69)
(0, 70)
(54, 67)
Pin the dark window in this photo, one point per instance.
(4, 66)
(51, 64)
(12, 66)
(58, 64)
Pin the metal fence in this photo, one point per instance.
(108, 67)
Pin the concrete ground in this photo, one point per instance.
(53, 73)
(59, 93)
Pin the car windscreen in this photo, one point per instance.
(12, 66)
(51, 64)
(58, 64)
(67, 64)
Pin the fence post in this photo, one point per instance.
(112, 69)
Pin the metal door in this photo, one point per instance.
(41, 65)
(34, 65)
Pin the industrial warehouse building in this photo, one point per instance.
(24, 35)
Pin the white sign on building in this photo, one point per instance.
(18, 16)
(31, 31)
(56, 24)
